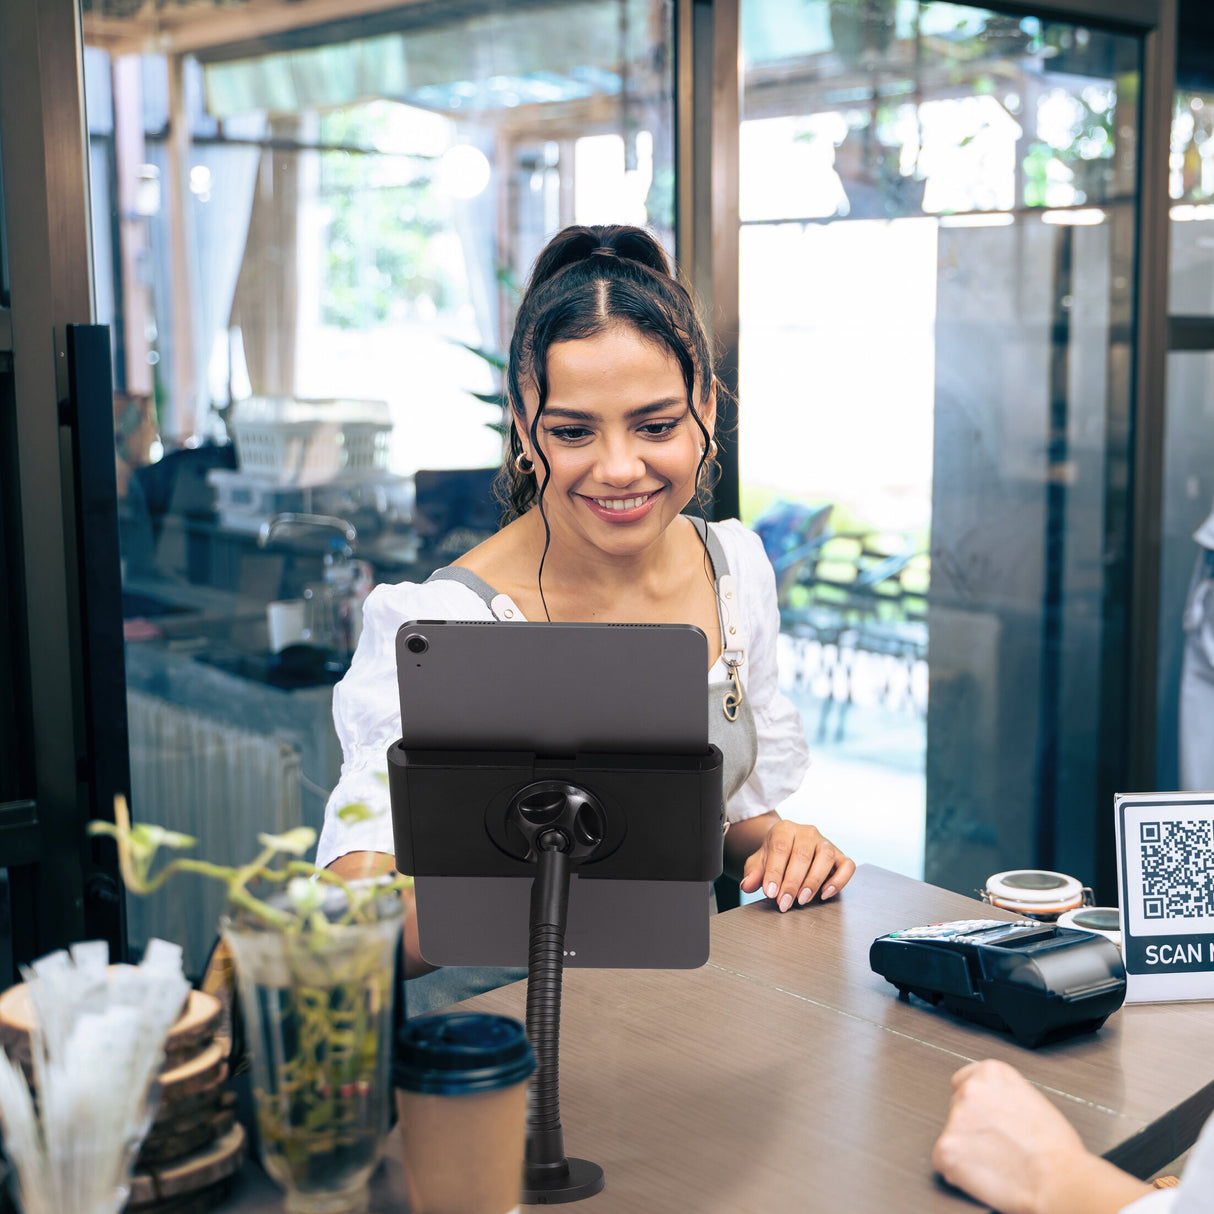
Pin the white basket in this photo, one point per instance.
(309, 442)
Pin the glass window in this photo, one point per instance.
(1186, 574)
(937, 249)
(312, 255)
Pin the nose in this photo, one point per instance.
(618, 462)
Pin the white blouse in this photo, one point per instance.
(366, 705)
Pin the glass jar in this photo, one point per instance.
(317, 1002)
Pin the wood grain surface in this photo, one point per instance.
(784, 1074)
(193, 1173)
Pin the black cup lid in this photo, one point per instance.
(461, 1052)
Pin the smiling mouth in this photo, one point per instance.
(622, 503)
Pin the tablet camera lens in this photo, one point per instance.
(417, 644)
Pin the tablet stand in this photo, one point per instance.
(550, 817)
(563, 823)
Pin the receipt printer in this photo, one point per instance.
(1036, 980)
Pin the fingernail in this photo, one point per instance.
(804, 896)
(828, 892)
(786, 902)
(771, 889)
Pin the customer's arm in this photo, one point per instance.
(1007, 1145)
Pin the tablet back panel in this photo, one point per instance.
(555, 689)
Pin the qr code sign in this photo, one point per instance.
(1177, 869)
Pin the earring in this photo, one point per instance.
(524, 464)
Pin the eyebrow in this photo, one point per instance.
(582, 415)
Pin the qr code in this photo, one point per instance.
(1177, 869)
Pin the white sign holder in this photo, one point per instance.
(1165, 867)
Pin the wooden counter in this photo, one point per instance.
(785, 1074)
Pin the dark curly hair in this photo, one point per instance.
(589, 279)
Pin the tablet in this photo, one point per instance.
(554, 691)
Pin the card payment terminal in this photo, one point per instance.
(1036, 980)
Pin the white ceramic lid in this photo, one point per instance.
(1103, 920)
(1035, 887)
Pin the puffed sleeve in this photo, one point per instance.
(366, 710)
(783, 753)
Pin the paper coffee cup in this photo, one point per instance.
(461, 1102)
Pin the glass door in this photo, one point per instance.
(939, 213)
(1186, 570)
(308, 243)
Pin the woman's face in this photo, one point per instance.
(623, 446)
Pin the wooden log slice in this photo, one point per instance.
(187, 1138)
(192, 1030)
(193, 1107)
(198, 1171)
(199, 1202)
(194, 1075)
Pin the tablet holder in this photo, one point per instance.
(609, 816)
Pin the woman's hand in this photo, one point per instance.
(790, 861)
(1007, 1145)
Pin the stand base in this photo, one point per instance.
(584, 1179)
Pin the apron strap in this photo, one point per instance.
(502, 605)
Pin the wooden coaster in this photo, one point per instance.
(195, 1027)
(186, 1176)
(195, 1074)
(197, 1104)
(190, 1203)
(177, 1141)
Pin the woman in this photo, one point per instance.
(613, 404)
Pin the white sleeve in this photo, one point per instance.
(366, 710)
(1196, 1192)
(1162, 1201)
(783, 753)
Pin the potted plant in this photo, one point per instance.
(314, 959)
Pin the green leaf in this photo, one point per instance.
(175, 839)
(356, 811)
(382, 777)
(295, 842)
(492, 398)
(492, 357)
(147, 837)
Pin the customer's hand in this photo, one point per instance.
(1007, 1145)
(793, 863)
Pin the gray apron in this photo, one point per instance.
(731, 720)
